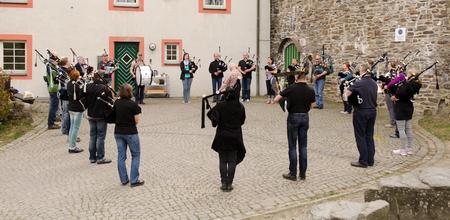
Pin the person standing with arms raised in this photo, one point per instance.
(217, 68)
(364, 101)
(299, 97)
(246, 67)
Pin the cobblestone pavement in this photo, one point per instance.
(40, 180)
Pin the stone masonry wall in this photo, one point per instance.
(351, 27)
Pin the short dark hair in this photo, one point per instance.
(126, 91)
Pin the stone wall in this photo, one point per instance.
(351, 27)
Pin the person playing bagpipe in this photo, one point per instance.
(300, 98)
(295, 66)
(320, 71)
(76, 108)
(344, 77)
(96, 112)
(404, 109)
(52, 84)
(246, 67)
(228, 116)
(217, 67)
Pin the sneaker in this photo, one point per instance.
(393, 136)
(358, 164)
(93, 161)
(75, 150)
(344, 112)
(229, 188)
(223, 187)
(289, 177)
(247, 100)
(400, 152)
(54, 126)
(302, 177)
(78, 139)
(409, 151)
(388, 126)
(138, 183)
(268, 102)
(103, 161)
(125, 183)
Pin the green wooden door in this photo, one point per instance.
(124, 53)
(290, 52)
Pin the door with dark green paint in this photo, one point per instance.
(124, 54)
(290, 52)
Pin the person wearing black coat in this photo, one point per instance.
(76, 108)
(188, 69)
(96, 115)
(228, 116)
(404, 110)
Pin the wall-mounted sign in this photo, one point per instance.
(400, 34)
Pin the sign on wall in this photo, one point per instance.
(400, 34)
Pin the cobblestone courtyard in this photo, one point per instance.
(40, 180)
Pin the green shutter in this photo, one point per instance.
(124, 53)
(290, 52)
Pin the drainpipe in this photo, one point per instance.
(257, 46)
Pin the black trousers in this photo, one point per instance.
(364, 127)
(227, 166)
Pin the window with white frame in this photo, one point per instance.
(172, 52)
(214, 4)
(127, 3)
(14, 1)
(13, 57)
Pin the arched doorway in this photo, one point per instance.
(290, 52)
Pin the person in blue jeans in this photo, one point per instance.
(188, 69)
(52, 84)
(299, 98)
(126, 134)
(96, 116)
(246, 67)
(320, 71)
(63, 96)
(217, 68)
(76, 108)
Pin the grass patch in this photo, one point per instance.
(438, 126)
(11, 130)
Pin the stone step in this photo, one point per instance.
(423, 194)
(346, 210)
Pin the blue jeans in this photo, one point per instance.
(318, 89)
(187, 89)
(297, 128)
(132, 141)
(246, 84)
(65, 117)
(53, 108)
(216, 84)
(363, 125)
(139, 94)
(75, 122)
(97, 135)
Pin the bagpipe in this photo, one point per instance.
(194, 64)
(415, 77)
(233, 91)
(61, 76)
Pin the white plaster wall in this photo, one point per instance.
(86, 25)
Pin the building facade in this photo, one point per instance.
(348, 28)
(159, 29)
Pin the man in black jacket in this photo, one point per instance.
(217, 68)
(96, 115)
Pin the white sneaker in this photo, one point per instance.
(400, 152)
(344, 112)
(409, 151)
(388, 126)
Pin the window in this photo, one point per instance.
(171, 52)
(13, 57)
(126, 3)
(214, 4)
(16, 3)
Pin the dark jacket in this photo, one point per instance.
(96, 108)
(80, 69)
(404, 107)
(185, 70)
(63, 91)
(216, 65)
(228, 116)
(76, 97)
